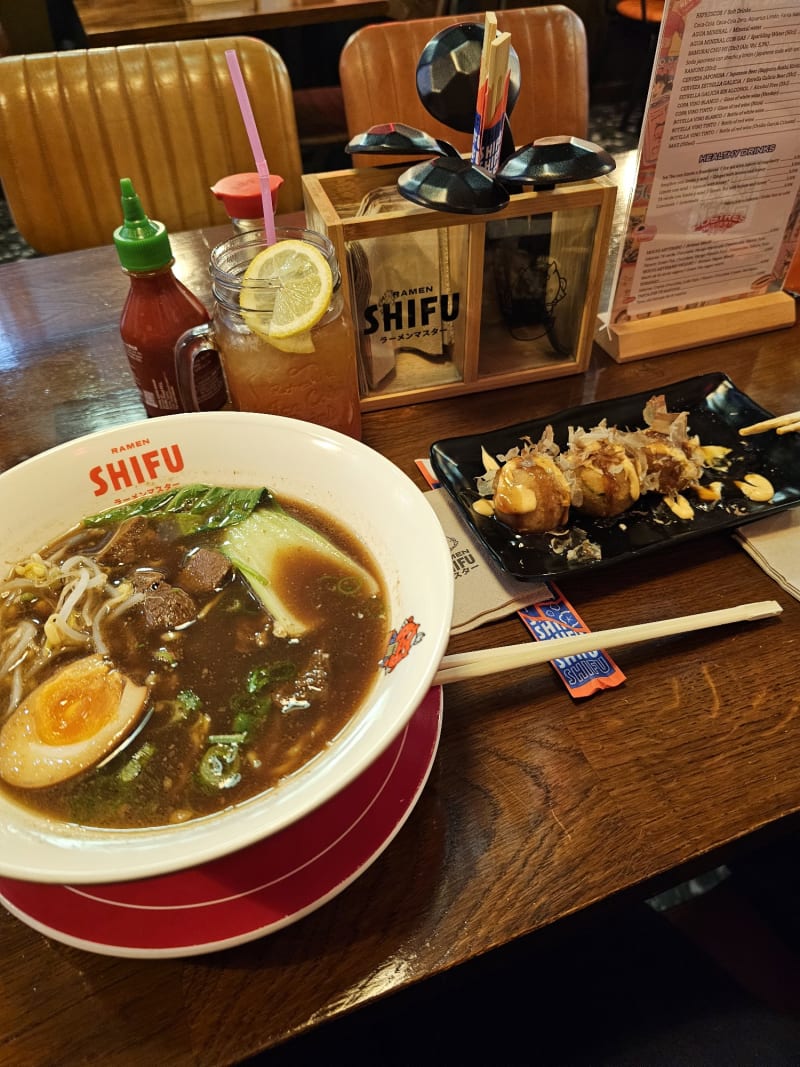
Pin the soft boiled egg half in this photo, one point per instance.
(69, 722)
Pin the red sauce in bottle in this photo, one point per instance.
(158, 309)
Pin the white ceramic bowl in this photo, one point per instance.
(44, 496)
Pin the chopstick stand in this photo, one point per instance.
(462, 666)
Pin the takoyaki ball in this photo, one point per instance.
(669, 469)
(673, 459)
(531, 494)
(603, 473)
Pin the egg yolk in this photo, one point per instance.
(74, 709)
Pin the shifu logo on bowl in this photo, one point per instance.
(134, 463)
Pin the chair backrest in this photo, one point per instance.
(165, 115)
(377, 70)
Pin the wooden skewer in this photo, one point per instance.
(789, 420)
(461, 666)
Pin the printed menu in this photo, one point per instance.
(715, 212)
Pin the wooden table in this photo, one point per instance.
(537, 807)
(115, 22)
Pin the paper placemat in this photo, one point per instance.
(482, 591)
(774, 543)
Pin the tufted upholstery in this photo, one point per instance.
(165, 115)
(377, 69)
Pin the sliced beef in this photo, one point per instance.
(128, 543)
(204, 571)
(164, 606)
(146, 580)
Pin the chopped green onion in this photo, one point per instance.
(257, 679)
(248, 710)
(227, 739)
(282, 671)
(251, 703)
(243, 722)
(348, 586)
(189, 700)
(133, 768)
(219, 767)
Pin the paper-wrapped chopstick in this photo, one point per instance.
(489, 34)
(490, 109)
(788, 423)
(459, 667)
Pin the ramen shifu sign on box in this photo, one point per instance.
(446, 304)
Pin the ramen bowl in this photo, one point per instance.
(297, 461)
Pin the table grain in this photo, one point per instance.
(538, 806)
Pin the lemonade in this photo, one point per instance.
(282, 331)
(318, 386)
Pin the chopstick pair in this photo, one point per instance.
(493, 80)
(460, 667)
(789, 423)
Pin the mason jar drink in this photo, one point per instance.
(281, 328)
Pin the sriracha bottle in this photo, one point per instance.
(158, 309)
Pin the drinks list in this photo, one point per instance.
(715, 213)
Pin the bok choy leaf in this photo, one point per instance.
(255, 545)
(195, 507)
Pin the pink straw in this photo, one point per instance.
(255, 142)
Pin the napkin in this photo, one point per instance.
(482, 591)
(388, 272)
(773, 543)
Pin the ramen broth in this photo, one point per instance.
(232, 706)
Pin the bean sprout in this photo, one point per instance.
(110, 610)
(78, 598)
(18, 642)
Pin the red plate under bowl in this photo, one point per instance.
(252, 892)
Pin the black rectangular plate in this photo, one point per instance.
(716, 411)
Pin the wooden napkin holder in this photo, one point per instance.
(554, 242)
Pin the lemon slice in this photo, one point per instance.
(285, 291)
(301, 342)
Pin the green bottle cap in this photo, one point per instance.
(142, 243)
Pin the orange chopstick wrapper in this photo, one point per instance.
(585, 673)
